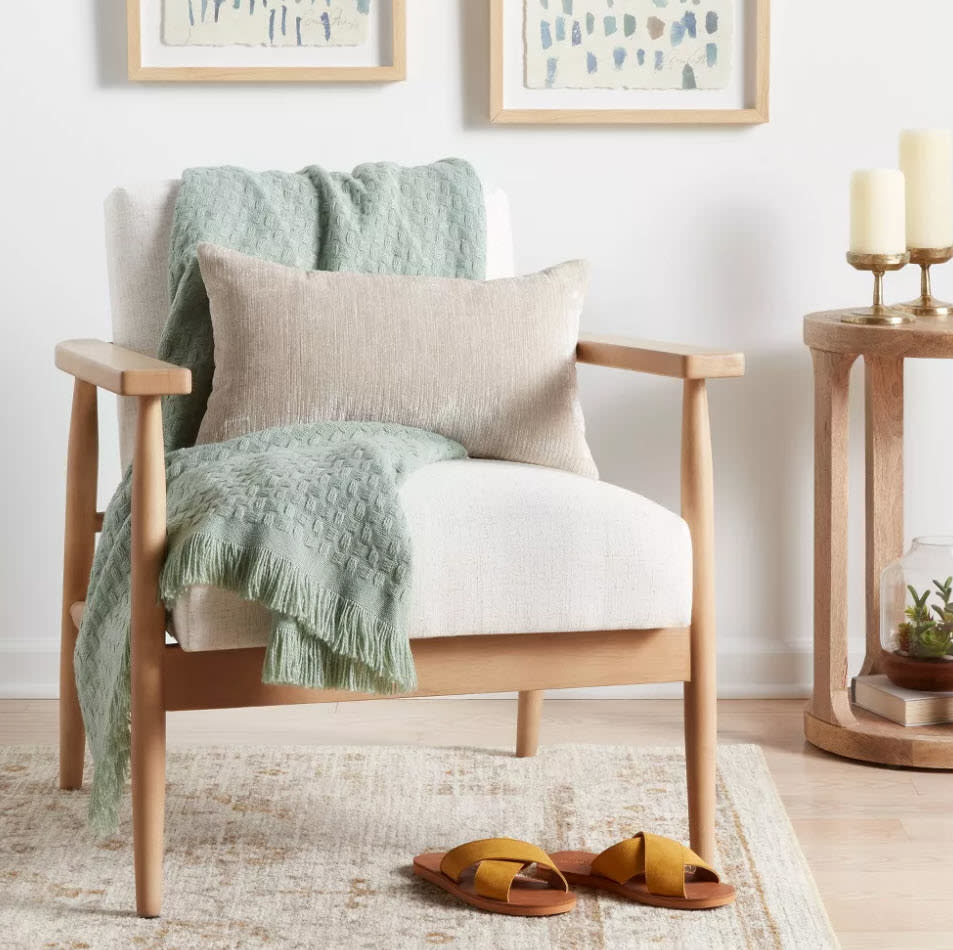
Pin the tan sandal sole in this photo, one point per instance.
(576, 867)
(529, 897)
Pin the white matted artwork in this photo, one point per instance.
(267, 40)
(659, 62)
(628, 44)
(265, 22)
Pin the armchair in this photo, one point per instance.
(627, 632)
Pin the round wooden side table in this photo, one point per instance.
(831, 722)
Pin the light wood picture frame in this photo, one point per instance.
(143, 18)
(753, 43)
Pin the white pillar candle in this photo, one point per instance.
(926, 159)
(877, 212)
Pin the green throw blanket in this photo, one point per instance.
(381, 219)
(305, 519)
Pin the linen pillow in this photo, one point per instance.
(488, 363)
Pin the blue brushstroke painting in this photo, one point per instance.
(257, 22)
(625, 44)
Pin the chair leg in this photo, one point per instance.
(72, 731)
(701, 729)
(529, 712)
(78, 544)
(148, 806)
(700, 745)
(148, 656)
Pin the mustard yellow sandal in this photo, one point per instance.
(649, 869)
(487, 875)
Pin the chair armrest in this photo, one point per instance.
(660, 359)
(121, 371)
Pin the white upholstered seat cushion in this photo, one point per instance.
(501, 547)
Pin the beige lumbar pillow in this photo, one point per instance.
(488, 363)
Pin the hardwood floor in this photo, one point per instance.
(877, 839)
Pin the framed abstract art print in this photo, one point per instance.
(267, 40)
(591, 62)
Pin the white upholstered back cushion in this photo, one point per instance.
(138, 229)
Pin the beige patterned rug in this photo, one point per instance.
(309, 847)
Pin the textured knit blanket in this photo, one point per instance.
(304, 519)
(382, 219)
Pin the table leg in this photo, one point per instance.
(830, 701)
(883, 387)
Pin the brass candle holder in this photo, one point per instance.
(926, 305)
(878, 315)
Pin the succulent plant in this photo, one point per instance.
(927, 633)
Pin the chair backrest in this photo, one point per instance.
(138, 230)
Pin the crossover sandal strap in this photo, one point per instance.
(493, 879)
(499, 861)
(661, 860)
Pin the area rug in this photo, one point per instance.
(310, 847)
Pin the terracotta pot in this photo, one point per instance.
(934, 676)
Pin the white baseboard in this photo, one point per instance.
(28, 670)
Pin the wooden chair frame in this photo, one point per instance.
(167, 678)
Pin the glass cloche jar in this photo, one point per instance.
(916, 616)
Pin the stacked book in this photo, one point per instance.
(909, 707)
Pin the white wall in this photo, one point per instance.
(722, 236)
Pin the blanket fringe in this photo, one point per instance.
(319, 639)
